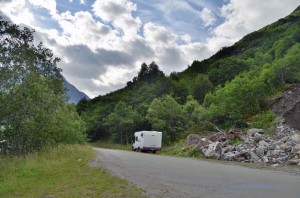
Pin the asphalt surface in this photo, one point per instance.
(164, 176)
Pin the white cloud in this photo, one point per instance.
(47, 4)
(169, 54)
(158, 35)
(18, 12)
(186, 38)
(119, 13)
(82, 28)
(243, 17)
(113, 76)
(207, 17)
(103, 48)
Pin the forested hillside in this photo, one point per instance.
(236, 86)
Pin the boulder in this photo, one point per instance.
(256, 131)
(296, 148)
(274, 153)
(283, 146)
(213, 150)
(284, 139)
(202, 143)
(254, 157)
(281, 160)
(257, 138)
(231, 156)
(296, 138)
(265, 159)
(260, 151)
(246, 154)
(263, 144)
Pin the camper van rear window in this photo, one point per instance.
(142, 134)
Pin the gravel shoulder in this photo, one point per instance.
(165, 176)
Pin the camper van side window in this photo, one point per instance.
(136, 139)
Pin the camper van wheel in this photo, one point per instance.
(153, 152)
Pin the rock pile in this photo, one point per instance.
(255, 146)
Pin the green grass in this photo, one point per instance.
(60, 172)
(267, 121)
(180, 149)
(111, 145)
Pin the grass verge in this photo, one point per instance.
(180, 149)
(60, 172)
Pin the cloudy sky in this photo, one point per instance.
(102, 43)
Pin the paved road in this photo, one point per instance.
(163, 176)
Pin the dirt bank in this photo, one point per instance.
(288, 106)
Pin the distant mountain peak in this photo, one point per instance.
(73, 93)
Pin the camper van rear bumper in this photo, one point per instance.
(151, 148)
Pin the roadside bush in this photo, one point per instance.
(265, 120)
(33, 109)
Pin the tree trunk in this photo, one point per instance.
(121, 138)
(127, 141)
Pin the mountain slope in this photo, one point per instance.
(73, 93)
(280, 34)
(234, 85)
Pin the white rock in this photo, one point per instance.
(254, 130)
(296, 138)
(263, 144)
(213, 150)
(265, 159)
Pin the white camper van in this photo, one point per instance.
(147, 141)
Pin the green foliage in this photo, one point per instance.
(138, 96)
(234, 142)
(166, 115)
(147, 74)
(193, 111)
(240, 98)
(201, 87)
(265, 120)
(182, 87)
(226, 69)
(287, 69)
(121, 123)
(181, 149)
(33, 111)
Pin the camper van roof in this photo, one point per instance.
(147, 132)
